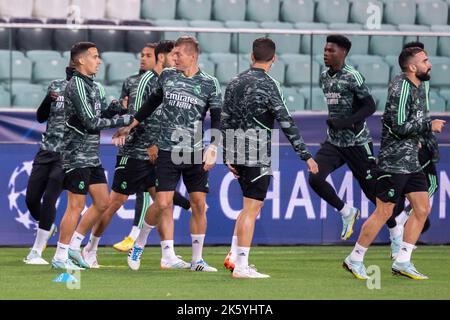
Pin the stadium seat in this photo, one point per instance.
(318, 40)
(21, 67)
(59, 8)
(316, 102)
(229, 10)
(106, 40)
(297, 11)
(263, 10)
(445, 93)
(207, 66)
(101, 74)
(357, 59)
(5, 98)
(429, 42)
(392, 61)
(123, 10)
(172, 35)
(112, 57)
(437, 103)
(278, 71)
(194, 9)
(226, 66)
(32, 39)
(6, 38)
(90, 9)
(212, 42)
(295, 101)
(400, 12)
(135, 40)
(440, 74)
(385, 45)
(358, 10)
(245, 62)
(37, 55)
(242, 43)
(432, 12)
(16, 8)
(46, 70)
(118, 71)
(112, 93)
(380, 97)
(26, 95)
(298, 70)
(63, 39)
(376, 73)
(443, 42)
(158, 9)
(360, 44)
(226, 70)
(332, 11)
(285, 43)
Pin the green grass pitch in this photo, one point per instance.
(300, 272)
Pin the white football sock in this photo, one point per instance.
(168, 252)
(93, 243)
(197, 246)
(62, 252)
(358, 253)
(402, 218)
(234, 246)
(41, 240)
(395, 231)
(242, 257)
(345, 211)
(134, 233)
(76, 241)
(141, 240)
(405, 252)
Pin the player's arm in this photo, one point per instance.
(152, 102)
(402, 120)
(366, 104)
(431, 144)
(215, 110)
(43, 111)
(111, 110)
(85, 112)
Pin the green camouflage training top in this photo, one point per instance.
(405, 121)
(343, 92)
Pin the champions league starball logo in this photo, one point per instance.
(17, 192)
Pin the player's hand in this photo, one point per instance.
(233, 170)
(210, 157)
(120, 135)
(54, 95)
(153, 154)
(437, 125)
(125, 102)
(312, 166)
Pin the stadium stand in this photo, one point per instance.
(194, 9)
(263, 10)
(229, 10)
(212, 42)
(158, 9)
(59, 9)
(297, 11)
(286, 43)
(375, 56)
(116, 10)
